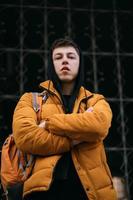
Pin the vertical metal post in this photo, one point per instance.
(45, 39)
(69, 25)
(92, 26)
(21, 72)
(120, 90)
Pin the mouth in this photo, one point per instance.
(65, 68)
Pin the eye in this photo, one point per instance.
(71, 57)
(57, 57)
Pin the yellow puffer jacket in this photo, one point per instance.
(61, 129)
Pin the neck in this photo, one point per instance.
(67, 88)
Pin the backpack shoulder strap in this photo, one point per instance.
(37, 100)
(37, 104)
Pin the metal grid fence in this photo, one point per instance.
(103, 30)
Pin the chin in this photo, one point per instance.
(66, 80)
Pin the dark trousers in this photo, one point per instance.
(61, 190)
(15, 192)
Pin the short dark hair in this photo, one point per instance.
(63, 42)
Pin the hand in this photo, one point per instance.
(42, 124)
(75, 142)
(90, 109)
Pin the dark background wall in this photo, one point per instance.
(104, 31)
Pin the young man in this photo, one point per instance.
(68, 142)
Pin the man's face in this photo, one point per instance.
(66, 63)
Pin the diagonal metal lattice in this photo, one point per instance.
(104, 32)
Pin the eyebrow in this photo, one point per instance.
(69, 53)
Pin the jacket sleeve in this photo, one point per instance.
(29, 137)
(87, 126)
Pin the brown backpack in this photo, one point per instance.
(16, 166)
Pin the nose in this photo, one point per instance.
(65, 60)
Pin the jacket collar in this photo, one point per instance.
(83, 93)
(48, 85)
